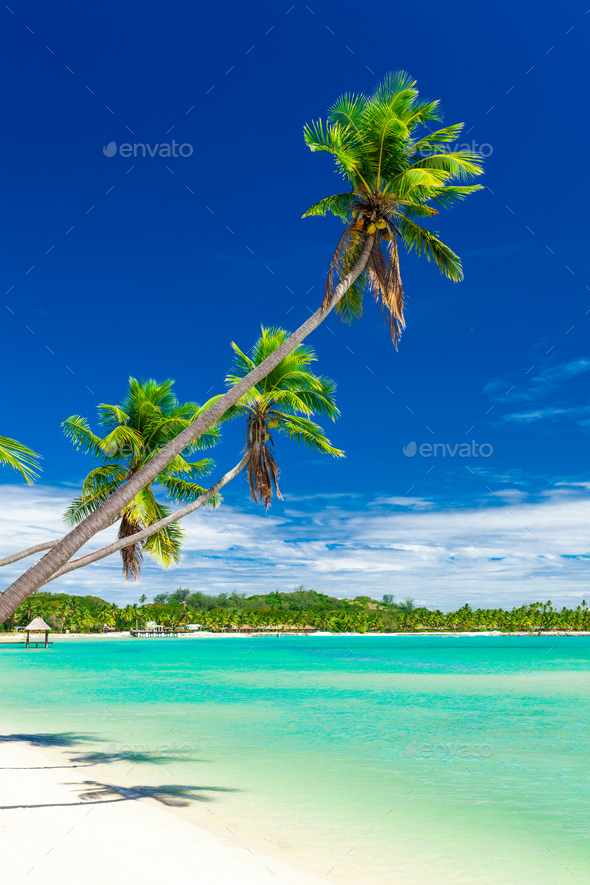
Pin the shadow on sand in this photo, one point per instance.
(98, 792)
(83, 760)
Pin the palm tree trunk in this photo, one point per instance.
(22, 554)
(37, 548)
(152, 529)
(49, 564)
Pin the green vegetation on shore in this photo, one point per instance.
(289, 612)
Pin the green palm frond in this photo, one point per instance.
(426, 242)
(417, 177)
(285, 399)
(397, 174)
(304, 431)
(102, 476)
(84, 505)
(290, 372)
(143, 509)
(348, 110)
(178, 467)
(340, 141)
(166, 545)
(447, 196)
(350, 307)
(419, 210)
(112, 416)
(242, 362)
(145, 394)
(181, 489)
(462, 165)
(77, 429)
(20, 458)
(123, 442)
(295, 379)
(338, 204)
(309, 400)
(438, 138)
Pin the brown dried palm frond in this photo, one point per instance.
(263, 470)
(345, 255)
(131, 556)
(385, 284)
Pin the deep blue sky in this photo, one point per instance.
(150, 283)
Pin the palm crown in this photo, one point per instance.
(284, 400)
(149, 417)
(396, 179)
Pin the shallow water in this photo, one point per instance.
(396, 759)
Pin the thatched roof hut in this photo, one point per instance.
(38, 625)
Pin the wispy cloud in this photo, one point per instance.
(538, 385)
(404, 503)
(441, 555)
(579, 414)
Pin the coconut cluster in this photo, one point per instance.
(371, 222)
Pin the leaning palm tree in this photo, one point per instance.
(148, 418)
(284, 400)
(379, 153)
(20, 458)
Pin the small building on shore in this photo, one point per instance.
(38, 625)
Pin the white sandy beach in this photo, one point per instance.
(205, 634)
(50, 833)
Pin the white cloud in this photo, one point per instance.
(546, 380)
(551, 413)
(488, 555)
(407, 503)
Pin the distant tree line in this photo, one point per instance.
(298, 599)
(288, 612)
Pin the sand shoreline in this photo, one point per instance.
(7, 638)
(57, 833)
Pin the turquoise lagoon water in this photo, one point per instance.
(395, 759)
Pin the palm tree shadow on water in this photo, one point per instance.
(63, 739)
(81, 760)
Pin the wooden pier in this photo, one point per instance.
(151, 634)
(37, 626)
